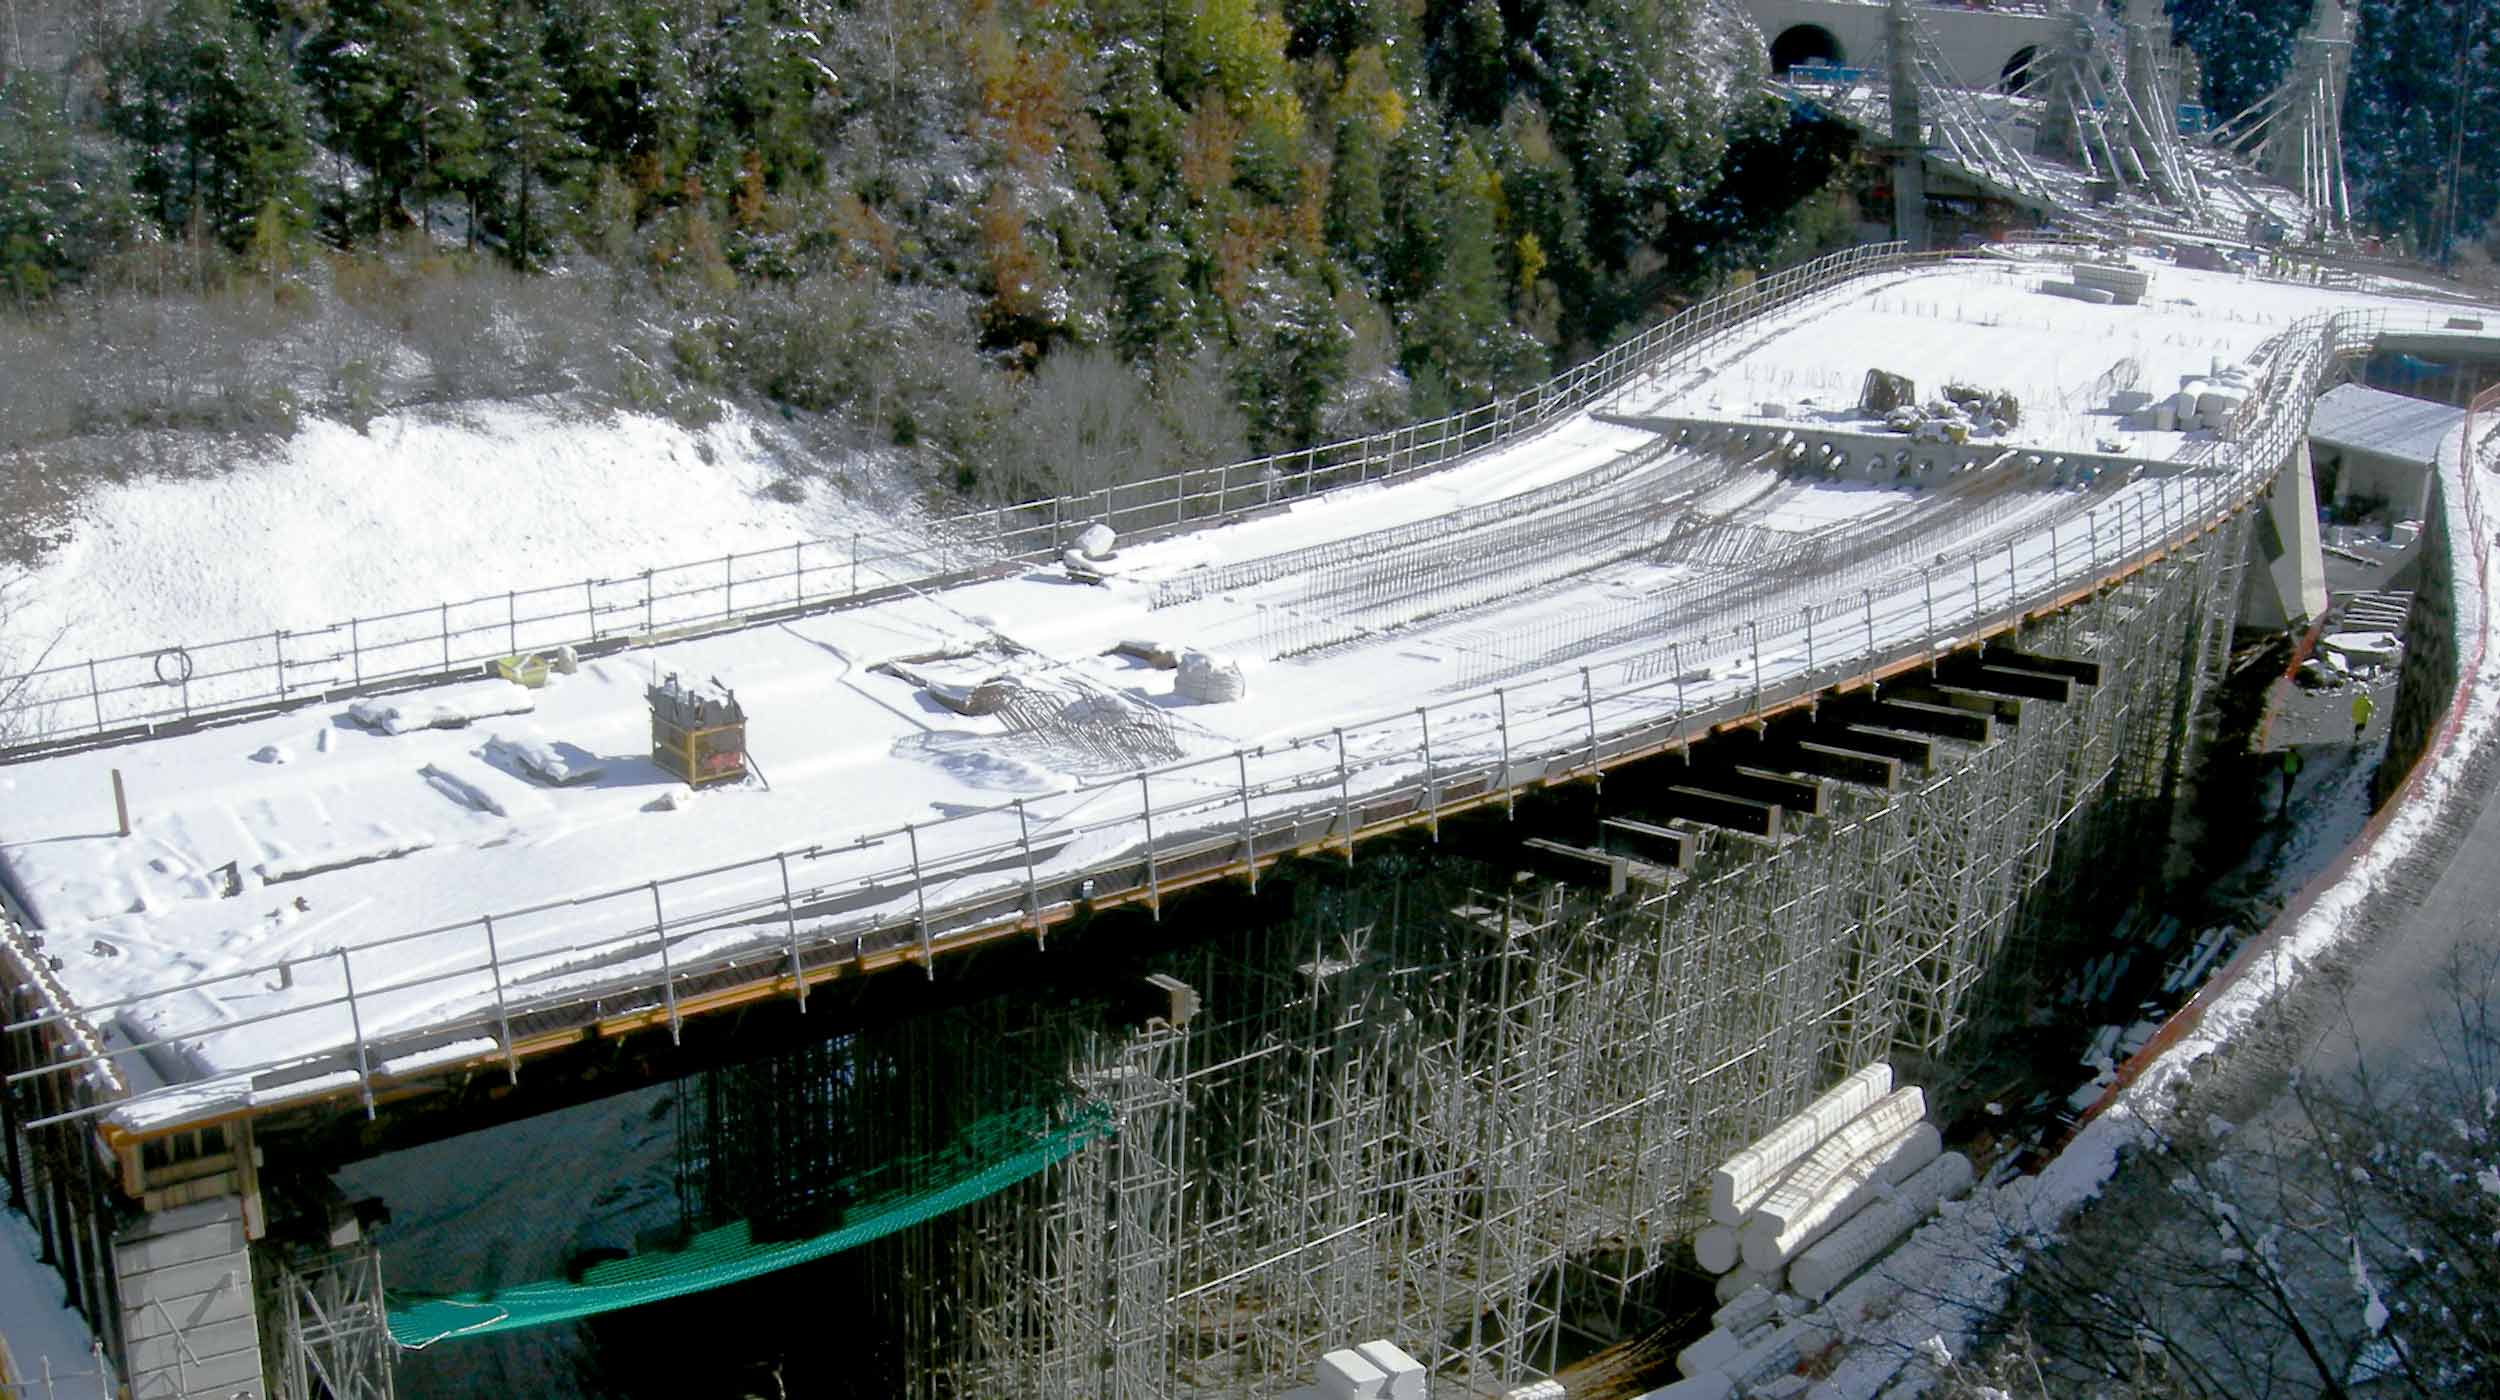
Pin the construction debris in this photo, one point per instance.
(1209, 680)
(1885, 391)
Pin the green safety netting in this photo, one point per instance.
(988, 1156)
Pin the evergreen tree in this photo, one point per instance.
(214, 121)
(2422, 118)
(1357, 219)
(392, 79)
(57, 212)
(527, 139)
(630, 88)
(1460, 339)
(2243, 46)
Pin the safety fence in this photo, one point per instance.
(68, 700)
(357, 1017)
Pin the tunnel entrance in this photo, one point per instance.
(1804, 43)
(2021, 70)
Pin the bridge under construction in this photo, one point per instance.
(1366, 900)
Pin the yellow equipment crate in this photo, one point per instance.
(698, 733)
(530, 670)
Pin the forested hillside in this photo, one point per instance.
(1018, 244)
(2421, 112)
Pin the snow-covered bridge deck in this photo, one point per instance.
(308, 908)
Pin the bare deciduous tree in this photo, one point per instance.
(2345, 1242)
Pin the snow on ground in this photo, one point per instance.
(424, 506)
(1675, 586)
(1989, 326)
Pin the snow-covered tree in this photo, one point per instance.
(2422, 118)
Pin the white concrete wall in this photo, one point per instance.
(1976, 42)
(2289, 590)
(2406, 486)
(186, 1294)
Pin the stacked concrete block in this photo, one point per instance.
(1377, 1370)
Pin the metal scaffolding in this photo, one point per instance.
(1470, 1115)
(331, 1344)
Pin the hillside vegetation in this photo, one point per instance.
(1019, 245)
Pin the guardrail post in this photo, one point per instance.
(1032, 884)
(1432, 786)
(798, 572)
(277, 649)
(1249, 842)
(590, 610)
(356, 1025)
(920, 901)
(728, 586)
(442, 612)
(1510, 796)
(95, 695)
(790, 927)
(1588, 705)
(1345, 796)
(646, 603)
(2013, 581)
(1154, 874)
(1870, 636)
(356, 649)
(1754, 625)
(1929, 574)
(668, 973)
(503, 1016)
(1675, 663)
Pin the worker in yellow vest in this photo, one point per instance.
(2362, 708)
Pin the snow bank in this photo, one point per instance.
(425, 506)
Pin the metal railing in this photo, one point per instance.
(180, 683)
(462, 992)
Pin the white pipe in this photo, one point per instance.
(1716, 1349)
(1747, 1310)
(1736, 1285)
(1717, 1248)
(1749, 1175)
(1857, 1187)
(1894, 1114)
(1874, 1230)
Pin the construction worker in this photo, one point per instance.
(2362, 708)
(2291, 774)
